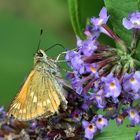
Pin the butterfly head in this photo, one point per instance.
(40, 56)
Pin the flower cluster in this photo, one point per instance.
(105, 77)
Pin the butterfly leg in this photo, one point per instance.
(57, 58)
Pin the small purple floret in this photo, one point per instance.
(90, 129)
(131, 82)
(76, 115)
(103, 18)
(112, 87)
(100, 121)
(132, 21)
(134, 116)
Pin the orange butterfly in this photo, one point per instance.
(42, 93)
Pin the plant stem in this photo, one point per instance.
(134, 40)
(136, 62)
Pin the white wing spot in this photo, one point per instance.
(44, 103)
(39, 104)
(14, 105)
(17, 106)
(32, 94)
(24, 110)
(35, 99)
(48, 101)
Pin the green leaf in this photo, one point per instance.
(118, 9)
(75, 17)
(114, 132)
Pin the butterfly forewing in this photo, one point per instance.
(38, 96)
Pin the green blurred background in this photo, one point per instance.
(20, 24)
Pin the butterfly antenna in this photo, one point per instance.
(57, 44)
(40, 38)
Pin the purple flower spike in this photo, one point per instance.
(134, 116)
(133, 21)
(103, 18)
(100, 122)
(90, 129)
(112, 87)
(131, 82)
(137, 137)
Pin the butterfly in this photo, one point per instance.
(42, 93)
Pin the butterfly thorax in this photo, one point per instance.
(43, 63)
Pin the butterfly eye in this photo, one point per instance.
(40, 54)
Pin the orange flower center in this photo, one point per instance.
(76, 116)
(132, 113)
(100, 22)
(98, 97)
(90, 126)
(93, 69)
(132, 79)
(136, 22)
(100, 120)
(112, 85)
